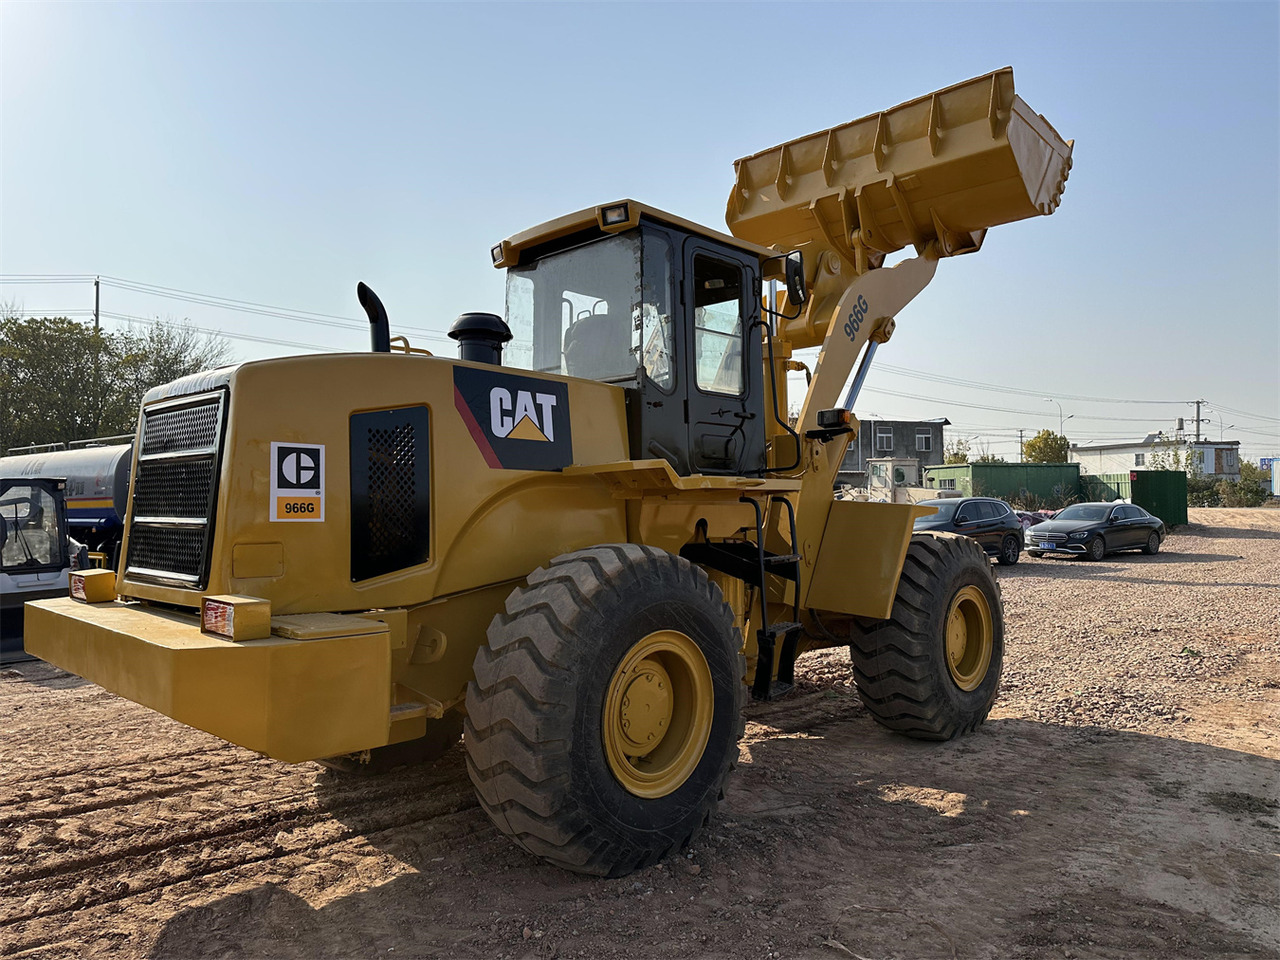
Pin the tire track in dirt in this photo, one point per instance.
(59, 773)
(453, 834)
(155, 846)
(119, 789)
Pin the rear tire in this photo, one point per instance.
(1010, 549)
(932, 670)
(441, 735)
(1097, 548)
(1153, 544)
(606, 709)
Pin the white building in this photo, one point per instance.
(1215, 458)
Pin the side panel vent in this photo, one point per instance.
(390, 491)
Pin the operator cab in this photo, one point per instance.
(663, 308)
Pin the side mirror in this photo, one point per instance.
(1113, 519)
(963, 518)
(797, 294)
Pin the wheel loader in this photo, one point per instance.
(581, 545)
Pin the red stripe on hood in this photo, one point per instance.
(477, 432)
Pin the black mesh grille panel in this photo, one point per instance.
(176, 479)
(184, 428)
(390, 491)
(173, 488)
(173, 551)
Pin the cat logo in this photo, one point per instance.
(519, 419)
(518, 423)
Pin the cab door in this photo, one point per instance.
(725, 411)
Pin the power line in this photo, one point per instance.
(222, 333)
(257, 309)
(982, 406)
(1243, 413)
(975, 384)
(223, 303)
(348, 323)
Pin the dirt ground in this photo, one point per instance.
(1123, 801)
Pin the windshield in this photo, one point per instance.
(1085, 511)
(576, 312)
(946, 510)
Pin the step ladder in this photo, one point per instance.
(753, 564)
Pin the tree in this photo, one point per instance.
(1046, 447)
(1251, 490)
(1169, 454)
(956, 451)
(62, 381)
(988, 457)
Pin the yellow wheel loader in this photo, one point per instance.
(586, 541)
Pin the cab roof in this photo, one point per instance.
(616, 217)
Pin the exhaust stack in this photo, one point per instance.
(379, 326)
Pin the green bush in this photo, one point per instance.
(1203, 491)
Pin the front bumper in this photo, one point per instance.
(1070, 547)
(293, 700)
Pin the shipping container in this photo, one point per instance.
(1045, 483)
(1162, 493)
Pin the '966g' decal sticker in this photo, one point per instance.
(297, 482)
(518, 423)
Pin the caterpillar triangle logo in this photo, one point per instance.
(526, 429)
(518, 423)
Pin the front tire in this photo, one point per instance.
(1010, 549)
(1097, 549)
(1153, 543)
(932, 670)
(606, 709)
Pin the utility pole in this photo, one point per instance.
(1022, 448)
(1199, 420)
(97, 357)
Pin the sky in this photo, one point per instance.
(276, 154)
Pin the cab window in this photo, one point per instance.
(29, 536)
(657, 297)
(717, 325)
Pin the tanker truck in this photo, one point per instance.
(583, 543)
(97, 487)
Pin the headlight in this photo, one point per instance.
(1083, 534)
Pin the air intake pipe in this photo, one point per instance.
(480, 337)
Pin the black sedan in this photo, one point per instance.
(991, 522)
(1095, 529)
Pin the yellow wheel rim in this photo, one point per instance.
(657, 714)
(970, 638)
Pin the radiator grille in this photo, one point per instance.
(184, 428)
(168, 552)
(1048, 537)
(175, 490)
